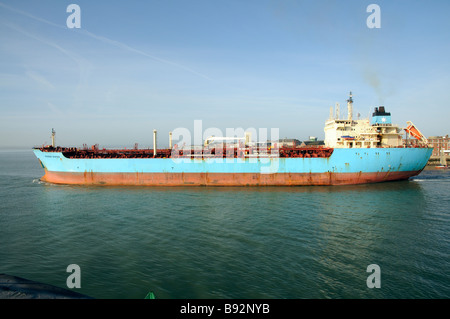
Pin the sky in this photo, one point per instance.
(135, 66)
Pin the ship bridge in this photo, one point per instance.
(362, 133)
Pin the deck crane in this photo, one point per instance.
(412, 130)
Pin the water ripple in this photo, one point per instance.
(285, 242)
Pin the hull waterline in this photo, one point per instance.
(223, 179)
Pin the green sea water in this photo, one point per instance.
(228, 242)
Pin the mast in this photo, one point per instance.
(154, 143)
(350, 107)
(53, 137)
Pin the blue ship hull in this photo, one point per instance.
(344, 166)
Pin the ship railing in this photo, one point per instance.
(246, 152)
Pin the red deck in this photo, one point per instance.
(237, 152)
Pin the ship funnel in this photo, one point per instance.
(154, 143)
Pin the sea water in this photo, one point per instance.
(227, 242)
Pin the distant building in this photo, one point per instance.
(440, 144)
(289, 142)
(312, 141)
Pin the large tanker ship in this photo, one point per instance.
(354, 152)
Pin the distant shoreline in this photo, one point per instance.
(16, 149)
(432, 167)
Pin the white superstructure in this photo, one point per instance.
(362, 133)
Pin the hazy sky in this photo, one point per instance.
(135, 66)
